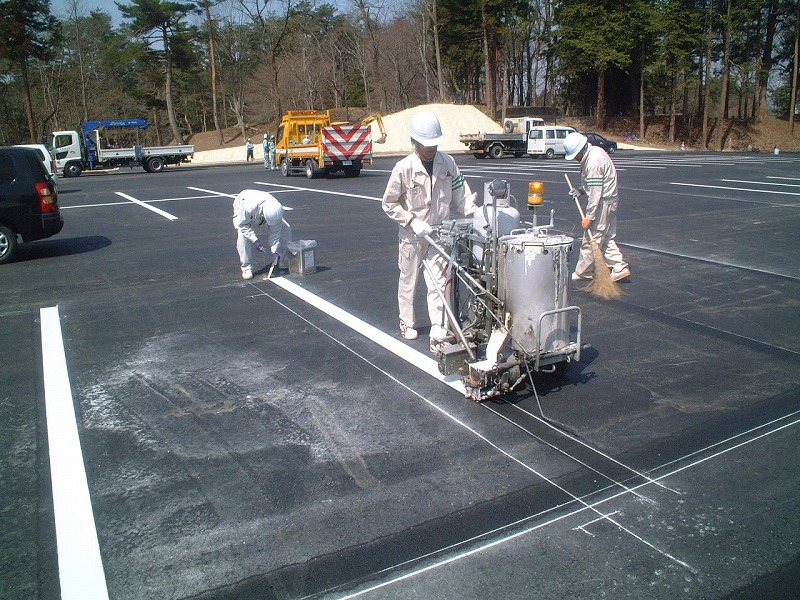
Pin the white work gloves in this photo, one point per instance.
(420, 228)
(577, 192)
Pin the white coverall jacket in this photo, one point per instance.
(599, 179)
(413, 194)
(254, 212)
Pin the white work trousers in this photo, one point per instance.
(412, 253)
(604, 232)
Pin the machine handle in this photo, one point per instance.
(539, 331)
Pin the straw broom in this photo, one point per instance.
(602, 285)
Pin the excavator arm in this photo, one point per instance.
(376, 117)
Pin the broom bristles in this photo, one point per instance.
(602, 286)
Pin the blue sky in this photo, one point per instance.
(60, 8)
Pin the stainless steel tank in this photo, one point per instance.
(534, 279)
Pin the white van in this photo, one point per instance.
(46, 156)
(547, 140)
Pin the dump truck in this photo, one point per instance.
(309, 142)
(95, 148)
(513, 140)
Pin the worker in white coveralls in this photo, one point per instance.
(599, 184)
(259, 213)
(424, 189)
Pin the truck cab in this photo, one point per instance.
(68, 152)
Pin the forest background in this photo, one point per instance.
(716, 74)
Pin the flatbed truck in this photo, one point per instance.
(75, 153)
(513, 140)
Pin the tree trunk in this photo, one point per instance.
(673, 109)
(490, 75)
(600, 117)
(26, 84)
(726, 64)
(641, 101)
(793, 102)
(173, 121)
(707, 76)
(212, 52)
(437, 48)
(766, 61)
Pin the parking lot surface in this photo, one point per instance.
(172, 431)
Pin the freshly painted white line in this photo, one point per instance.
(148, 207)
(80, 567)
(395, 346)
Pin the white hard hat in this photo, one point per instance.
(426, 129)
(573, 144)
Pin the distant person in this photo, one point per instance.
(424, 189)
(265, 146)
(249, 145)
(271, 148)
(599, 184)
(259, 213)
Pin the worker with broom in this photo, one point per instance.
(599, 183)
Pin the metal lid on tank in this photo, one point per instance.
(536, 238)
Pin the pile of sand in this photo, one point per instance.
(456, 119)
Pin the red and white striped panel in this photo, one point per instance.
(347, 142)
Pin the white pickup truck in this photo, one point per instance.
(74, 153)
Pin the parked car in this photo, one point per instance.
(47, 158)
(595, 139)
(28, 200)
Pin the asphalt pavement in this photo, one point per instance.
(172, 431)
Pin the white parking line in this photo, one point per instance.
(80, 567)
(736, 189)
(304, 189)
(148, 207)
(759, 182)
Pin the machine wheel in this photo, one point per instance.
(156, 165)
(8, 244)
(496, 151)
(479, 155)
(550, 153)
(612, 149)
(285, 167)
(72, 170)
(311, 168)
(351, 171)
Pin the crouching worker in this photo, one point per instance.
(256, 212)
